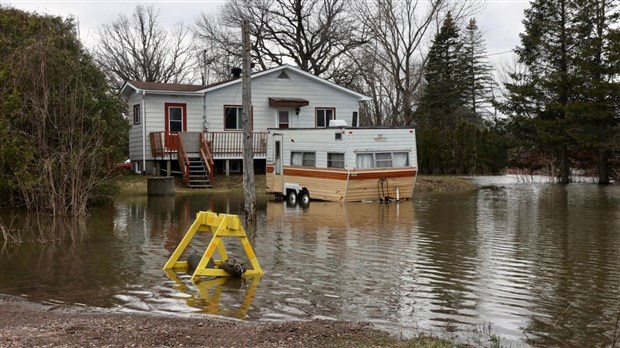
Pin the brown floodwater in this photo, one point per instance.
(539, 263)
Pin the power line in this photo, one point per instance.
(498, 53)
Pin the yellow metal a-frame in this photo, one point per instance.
(221, 225)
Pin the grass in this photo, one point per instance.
(443, 183)
(135, 184)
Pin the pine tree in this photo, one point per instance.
(597, 106)
(478, 78)
(442, 103)
(539, 99)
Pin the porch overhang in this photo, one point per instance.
(287, 102)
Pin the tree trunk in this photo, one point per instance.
(249, 194)
(564, 165)
(603, 167)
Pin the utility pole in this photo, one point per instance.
(249, 191)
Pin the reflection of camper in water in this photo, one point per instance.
(341, 164)
(334, 216)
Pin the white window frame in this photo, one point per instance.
(304, 158)
(238, 117)
(330, 161)
(382, 154)
(325, 118)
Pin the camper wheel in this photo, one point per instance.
(291, 197)
(304, 198)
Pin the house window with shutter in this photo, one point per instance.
(323, 116)
(232, 117)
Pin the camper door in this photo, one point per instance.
(277, 163)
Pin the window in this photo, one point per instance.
(175, 117)
(382, 160)
(354, 120)
(232, 117)
(283, 119)
(136, 114)
(306, 159)
(335, 160)
(323, 116)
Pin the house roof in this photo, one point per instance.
(162, 88)
(290, 67)
(157, 86)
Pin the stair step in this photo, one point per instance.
(199, 186)
(198, 174)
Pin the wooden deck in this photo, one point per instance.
(223, 145)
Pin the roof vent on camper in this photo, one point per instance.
(235, 72)
(337, 123)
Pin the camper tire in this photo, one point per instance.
(303, 198)
(291, 197)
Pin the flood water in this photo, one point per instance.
(538, 262)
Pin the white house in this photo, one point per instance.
(199, 126)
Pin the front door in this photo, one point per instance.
(176, 121)
(277, 163)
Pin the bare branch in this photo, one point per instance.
(139, 48)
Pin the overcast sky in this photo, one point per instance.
(500, 21)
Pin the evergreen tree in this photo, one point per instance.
(443, 100)
(478, 78)
(539, 99)
(596, 66)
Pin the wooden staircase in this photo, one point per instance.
(198, 174)
(195, 160)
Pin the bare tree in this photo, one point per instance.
(313, 34)
(391, 66)
(139, 48)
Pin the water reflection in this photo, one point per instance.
(540, 262)
(211, 291)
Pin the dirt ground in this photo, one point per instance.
(28, 324)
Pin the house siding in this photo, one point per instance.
(135, 131)
(318, 94)
(154, 119)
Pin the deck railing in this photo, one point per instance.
(207, 157)
(230, 143)
(183, 161)
(226, 144)
(163, 143)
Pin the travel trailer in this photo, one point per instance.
(341, 164)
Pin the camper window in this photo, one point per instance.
(335, 160)
(306, 159)
(232, 115)
(382, 160)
